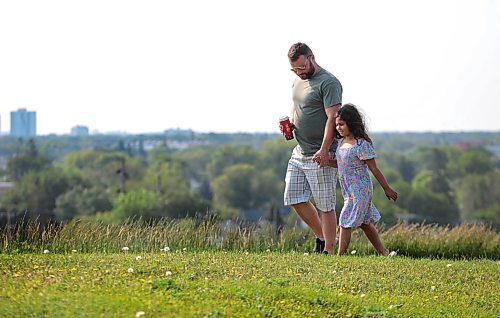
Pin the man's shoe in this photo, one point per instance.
(319, 246)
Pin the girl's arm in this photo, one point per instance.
(332, 163)
(389, 193)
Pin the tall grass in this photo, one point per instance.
(413, 240)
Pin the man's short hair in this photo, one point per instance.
(297, 50)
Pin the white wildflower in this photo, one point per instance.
(184, 249)
(125, 249)
(168, 273)
(268, 250)
(166, 249)
(391, 306)
(393, 253)
(138, 257)
(353, 252)
(306, 253)
(448, 265)
(74, 251)
(433, 288)
(139, 314)
(46, 252)
(130, 270)
(362, 295)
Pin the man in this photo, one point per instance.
(317, 96)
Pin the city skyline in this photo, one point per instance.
(222, 66)
(83, 130)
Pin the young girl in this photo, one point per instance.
(355, 155)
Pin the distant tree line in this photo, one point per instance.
(446, 184)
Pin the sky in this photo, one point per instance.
(221, 66)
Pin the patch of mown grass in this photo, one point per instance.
(241, 284)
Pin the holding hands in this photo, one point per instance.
(322, 158)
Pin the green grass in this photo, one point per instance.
(242, 284)
(207, 234)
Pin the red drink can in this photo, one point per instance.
(286, 127)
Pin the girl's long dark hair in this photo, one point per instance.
(354, 121)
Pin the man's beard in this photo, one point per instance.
(312, 69)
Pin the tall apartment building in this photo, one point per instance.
(80, 131)
(23, 123)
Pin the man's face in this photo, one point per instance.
(303, 67)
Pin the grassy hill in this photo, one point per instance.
(183, 283)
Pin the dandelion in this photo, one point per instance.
(168, 273)
(138, 257)
(139, 314)
(393, 253)
(130, 270)
(45, 251)
(353, 252)
(125, 249)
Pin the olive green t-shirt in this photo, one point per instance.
(311, 97)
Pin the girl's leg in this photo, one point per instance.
(372, 235)
(344, 240)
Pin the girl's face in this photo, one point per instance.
(341, 127)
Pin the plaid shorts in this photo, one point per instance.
(305, 179)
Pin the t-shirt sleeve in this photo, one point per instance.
(365, 151)
(332, 93)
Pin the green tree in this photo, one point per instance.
(406, 168)
(430, 158)
(242, 186)
(274, 155)
(490, 215)
(166, 178)
(478, 192)
(227, 156)
(26, 161)
(150, 205)
(138, 203)
(471, 162)
(104, 168)
(36, 194)
(81, 201)
(389, 210)
(431, 207)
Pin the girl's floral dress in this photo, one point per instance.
(356, 184)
